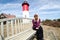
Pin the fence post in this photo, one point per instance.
(18, 26)
(15, 27)
(7, 29)
(0, 37)
(12, 27)
(2, 31)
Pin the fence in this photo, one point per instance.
(11, 27)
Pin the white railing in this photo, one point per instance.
(10, 27)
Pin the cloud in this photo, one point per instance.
(45, 7)
(11, 9)
(50, 9)
(9, 6)
(49, 6)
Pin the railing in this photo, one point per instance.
(11, 27)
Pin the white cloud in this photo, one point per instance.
(15, 9)
(6, 6)
(46, 13)
(49, 6)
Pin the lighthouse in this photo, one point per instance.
(25, 10)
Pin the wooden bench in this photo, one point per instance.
(25, 35)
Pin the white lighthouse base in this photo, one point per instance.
(25, 16)
(25, 21)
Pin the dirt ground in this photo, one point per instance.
(51, 33)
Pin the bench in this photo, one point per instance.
(25, 35)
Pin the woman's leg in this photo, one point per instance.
(40, 34)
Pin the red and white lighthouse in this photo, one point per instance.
(25, 9)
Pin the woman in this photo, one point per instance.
(37, 27)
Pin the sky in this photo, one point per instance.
(46, 9)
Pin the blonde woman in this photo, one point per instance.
(37, 27)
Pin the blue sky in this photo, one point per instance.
(47, 9)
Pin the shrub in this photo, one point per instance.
(54, 23)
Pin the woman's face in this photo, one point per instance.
(36, 17)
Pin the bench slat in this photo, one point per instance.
(23, 36)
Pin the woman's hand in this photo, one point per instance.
(37, 28)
